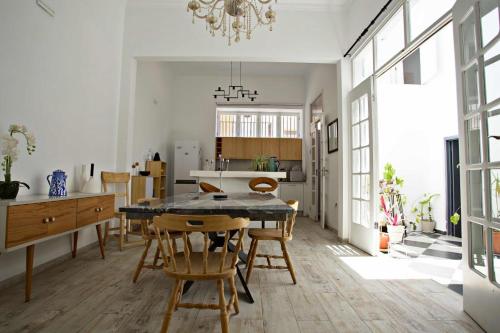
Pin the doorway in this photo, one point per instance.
(318, 168)
(453, 186)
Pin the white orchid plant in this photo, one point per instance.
(9, 148)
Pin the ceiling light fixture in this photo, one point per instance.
(235, 92)
(233, 17)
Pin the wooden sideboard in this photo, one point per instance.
(29, 220)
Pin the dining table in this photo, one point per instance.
(254, 206)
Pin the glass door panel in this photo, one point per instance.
(489, 20)
(494, 135)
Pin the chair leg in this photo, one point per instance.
(252, 259)
(234, 292)
(224, 320)
(141, 262)
(249, 256)
(122, 226)
(171, 305)
(174, 244)
(157, 256)
(288, 261)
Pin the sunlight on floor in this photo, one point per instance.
(384, 267)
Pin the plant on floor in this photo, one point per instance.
(423, 212)
(9, 151)
(392, 204)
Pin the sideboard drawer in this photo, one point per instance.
(87, 211)
(26, 223)
(63, 215)
(107, 207)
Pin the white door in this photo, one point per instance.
(363, 231)
(477, 53)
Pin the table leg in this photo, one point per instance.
(75, 244)
(245, 286)
(30, 252)
(99, 237)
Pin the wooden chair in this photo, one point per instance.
(119, 180)
(256, 184)
(209, 188)
(193, 266)
(282, 234)
(149, 236)
(270, 185)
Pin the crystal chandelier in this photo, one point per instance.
(233, 17)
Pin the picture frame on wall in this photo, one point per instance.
(333, 136)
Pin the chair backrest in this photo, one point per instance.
(209, 188)
(205, 224)
(290, 222)
(256, 184)
(116, 178)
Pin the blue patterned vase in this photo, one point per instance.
(57, 183)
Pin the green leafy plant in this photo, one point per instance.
(260, 163)
(423, 209)
(455, 218)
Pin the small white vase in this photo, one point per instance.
(396, 233)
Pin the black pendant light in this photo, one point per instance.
(235, 91)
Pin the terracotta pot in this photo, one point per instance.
(496, 242)
(384, 241)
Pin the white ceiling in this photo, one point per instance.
(248, 68)
(283, 4)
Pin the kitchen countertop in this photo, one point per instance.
(236, 174)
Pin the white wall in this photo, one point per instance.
(414, 120)
(157, 30)
(60, 77)
(323, 80)
(153, 102)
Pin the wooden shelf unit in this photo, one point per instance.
(158, 170)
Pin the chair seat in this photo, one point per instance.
(267, 234)
(214, 259)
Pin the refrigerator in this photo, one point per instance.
(187, 157)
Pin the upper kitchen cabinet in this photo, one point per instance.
(271, 147)
(290, 149)
(249, 148)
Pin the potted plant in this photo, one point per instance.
(423, 212)
(392, 204)
(259, 163)
(8, 187)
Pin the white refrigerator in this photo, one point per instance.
(187, 157)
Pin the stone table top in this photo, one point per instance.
(256, 206)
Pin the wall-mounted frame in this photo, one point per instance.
(333, 136)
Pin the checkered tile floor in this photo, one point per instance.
(437, 255)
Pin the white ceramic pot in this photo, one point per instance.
(396, 233)
(428, 226)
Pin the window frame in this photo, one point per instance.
(259, 111)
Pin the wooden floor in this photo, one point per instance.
(88, 294)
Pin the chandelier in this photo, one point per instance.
(233, 17)
(235, 91)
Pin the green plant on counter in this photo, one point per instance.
(424, 209)
(260, 163)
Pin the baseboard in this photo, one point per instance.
(42, 267)
(440, 232)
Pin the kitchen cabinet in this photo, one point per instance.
(292, 191)
(249, 148)
(291, 149)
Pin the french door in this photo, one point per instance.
(319, 170)
(363, 232)
(477, 51)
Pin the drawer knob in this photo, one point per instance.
(52, 219)
(98, 209)
(46, 220)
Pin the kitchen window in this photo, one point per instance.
(279, 122)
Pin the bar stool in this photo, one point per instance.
(263, 185)
(209, 188)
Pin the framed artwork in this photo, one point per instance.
(333, 136)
